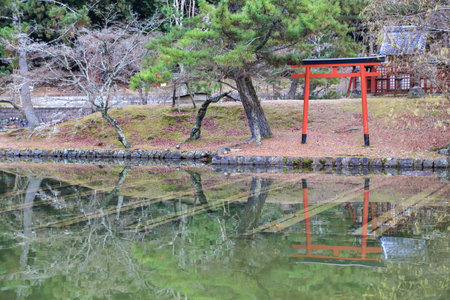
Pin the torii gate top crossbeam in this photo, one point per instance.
(347, 60)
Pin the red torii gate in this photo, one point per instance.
(361, 62)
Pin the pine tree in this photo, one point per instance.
(238, 40)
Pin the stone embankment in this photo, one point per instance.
(212, 157)
(47, 114)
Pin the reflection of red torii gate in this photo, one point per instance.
(363, 250)
(361, 62)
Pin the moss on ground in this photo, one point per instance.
(142, 124)
(430, 106)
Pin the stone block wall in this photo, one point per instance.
(47, 114)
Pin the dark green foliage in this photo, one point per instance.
(123, 8)
(43, 20)
(249, 35)
(48, 18)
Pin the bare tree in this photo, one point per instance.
(430, 18)
(97, 60)
(177, 10)
(20, 43)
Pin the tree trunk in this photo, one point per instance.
(196, 130)
(118, 185)
(117, 98)
(91, 103)
(257, 197)
(196, 179)
(27, 106)
(117, 128)
(32, 189)
(191, 95)
(143, 96)
(178, 102)
(293, 88)
(252, 106)
(174, 94)
(256, 129)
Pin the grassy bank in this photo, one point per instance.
(398, 127)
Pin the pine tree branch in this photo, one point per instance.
(223, 82)
(267, 36)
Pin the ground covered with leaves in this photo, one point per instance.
(399, 127)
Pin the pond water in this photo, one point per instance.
(159, 232)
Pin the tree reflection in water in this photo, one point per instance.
(237, 237)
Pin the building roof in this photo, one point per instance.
(401, 40)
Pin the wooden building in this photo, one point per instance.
(399, 44)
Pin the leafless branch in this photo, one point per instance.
(13, 104)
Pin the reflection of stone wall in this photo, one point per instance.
(47, 113)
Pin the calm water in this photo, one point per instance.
(115, 232)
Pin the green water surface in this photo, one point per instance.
(158, 232)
